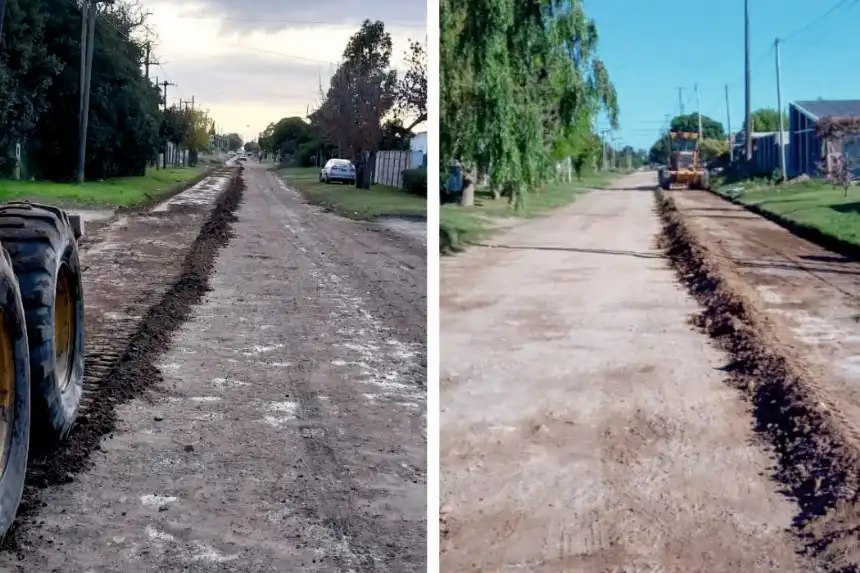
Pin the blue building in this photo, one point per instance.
(806, 149)
(766, 156)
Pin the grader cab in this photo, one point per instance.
(685, 168)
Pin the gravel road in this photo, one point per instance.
(585, 426)
(288, 433)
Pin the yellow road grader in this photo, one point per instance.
(41, 336)
(685, 168)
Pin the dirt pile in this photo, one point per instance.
(817, 452)
(134, 371)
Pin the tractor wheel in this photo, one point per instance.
(44, 253)
(14, 394)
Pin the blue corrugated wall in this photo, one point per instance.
(804, 148)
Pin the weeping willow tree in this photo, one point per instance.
(521, 86)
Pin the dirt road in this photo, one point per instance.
(287, 433)
(585, 426)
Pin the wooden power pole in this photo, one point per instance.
(782, 165)
(147, 60)
(729, 126)
(89, 16)
(748, 143)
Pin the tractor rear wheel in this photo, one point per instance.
(44, 254)
(14, 394)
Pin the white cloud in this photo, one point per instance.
(260, 67)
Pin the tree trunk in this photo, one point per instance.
(467, 198)
(363, 173)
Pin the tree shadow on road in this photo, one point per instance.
(574, 250)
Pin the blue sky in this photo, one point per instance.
(652, 48)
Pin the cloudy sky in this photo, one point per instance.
(252, 62)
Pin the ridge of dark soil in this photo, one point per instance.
(135, 371)
(817, 453)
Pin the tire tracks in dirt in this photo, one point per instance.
(817, 449)
(129, 373)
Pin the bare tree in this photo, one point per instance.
(412, 89)
(839, 165)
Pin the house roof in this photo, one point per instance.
(816, 109)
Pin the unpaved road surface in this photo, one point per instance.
(803, 304)
(812, 294)
(288, 430)
(585, 426)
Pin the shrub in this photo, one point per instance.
(415, 181)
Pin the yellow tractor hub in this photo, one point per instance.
(64, 326)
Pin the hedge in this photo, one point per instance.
(415, 181)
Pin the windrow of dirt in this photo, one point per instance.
(817, 451)
(115, 377)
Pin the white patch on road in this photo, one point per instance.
(203, 552)
(205, 399)
(171, 367)
(157, 500)
(256, 350)
(221, 382)
(156, 535)
(286, 413)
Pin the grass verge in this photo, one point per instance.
(460, 226)
(119, 192)
(812, 210)
(348, 201)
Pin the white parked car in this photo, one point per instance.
(339, 170)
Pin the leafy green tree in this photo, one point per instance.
(767, 119)
(711, 129)
(124, 115)
(234, 142)
(515, 76)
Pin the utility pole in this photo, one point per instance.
(85, 10)
(681, 100)
(748, 143)
(148, 61)
(603, 133)
(165, 84)
(699, 114)
(782, 165)
(668, 139)
(92, 7)
(2, 13)
(729, 125)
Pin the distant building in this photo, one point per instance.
(766, 157)
(806, 149)
(419, 142)
(418, 146)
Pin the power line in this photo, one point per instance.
(818, 20)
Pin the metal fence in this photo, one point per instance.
(390, 166)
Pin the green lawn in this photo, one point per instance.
(120, 192)
(351, 202)
(812, 203)
(462, 225)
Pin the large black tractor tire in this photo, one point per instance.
(44, 253)
(14, 394)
